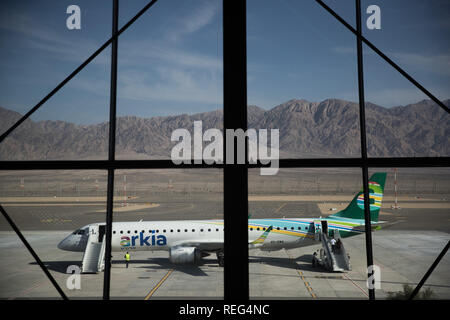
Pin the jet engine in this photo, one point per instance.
(184, 255)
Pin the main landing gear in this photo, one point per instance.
(220, 258)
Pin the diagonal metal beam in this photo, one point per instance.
(430, 271)
(76, 71)
(385, 58)
(33, 253)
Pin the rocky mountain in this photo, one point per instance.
(307, 129)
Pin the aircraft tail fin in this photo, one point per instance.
(355, 210)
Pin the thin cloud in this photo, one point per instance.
(435, 63)
(192, 22)
(169, 84)
(35, 35)
(142, 52)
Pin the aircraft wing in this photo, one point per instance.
(202, 244)
(377, 225)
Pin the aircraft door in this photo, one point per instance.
(101, 232)
(317, 229)
(94, 233)
(324, 224)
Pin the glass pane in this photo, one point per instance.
(414, 129)
(39, 51)
(415, 35)
(302, 78)
(401, 120)
(171, 224)
(57, 212)
(289, 214)
(25, 279)
(170, 75)
(414, 228)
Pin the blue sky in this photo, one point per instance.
(170, 60)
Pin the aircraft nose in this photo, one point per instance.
(65, 244)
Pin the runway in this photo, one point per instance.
(415, 214)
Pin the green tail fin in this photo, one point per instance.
(355, 209)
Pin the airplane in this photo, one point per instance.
(188, 241)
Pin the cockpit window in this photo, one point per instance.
(79, 231)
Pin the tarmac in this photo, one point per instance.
(403, 258)
(403, 251)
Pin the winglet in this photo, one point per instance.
(263, 237)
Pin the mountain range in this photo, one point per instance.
(307, 129)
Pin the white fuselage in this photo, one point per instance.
(207, 235)
(162, 235)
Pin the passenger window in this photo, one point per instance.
(209, 230)
(121, 231)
